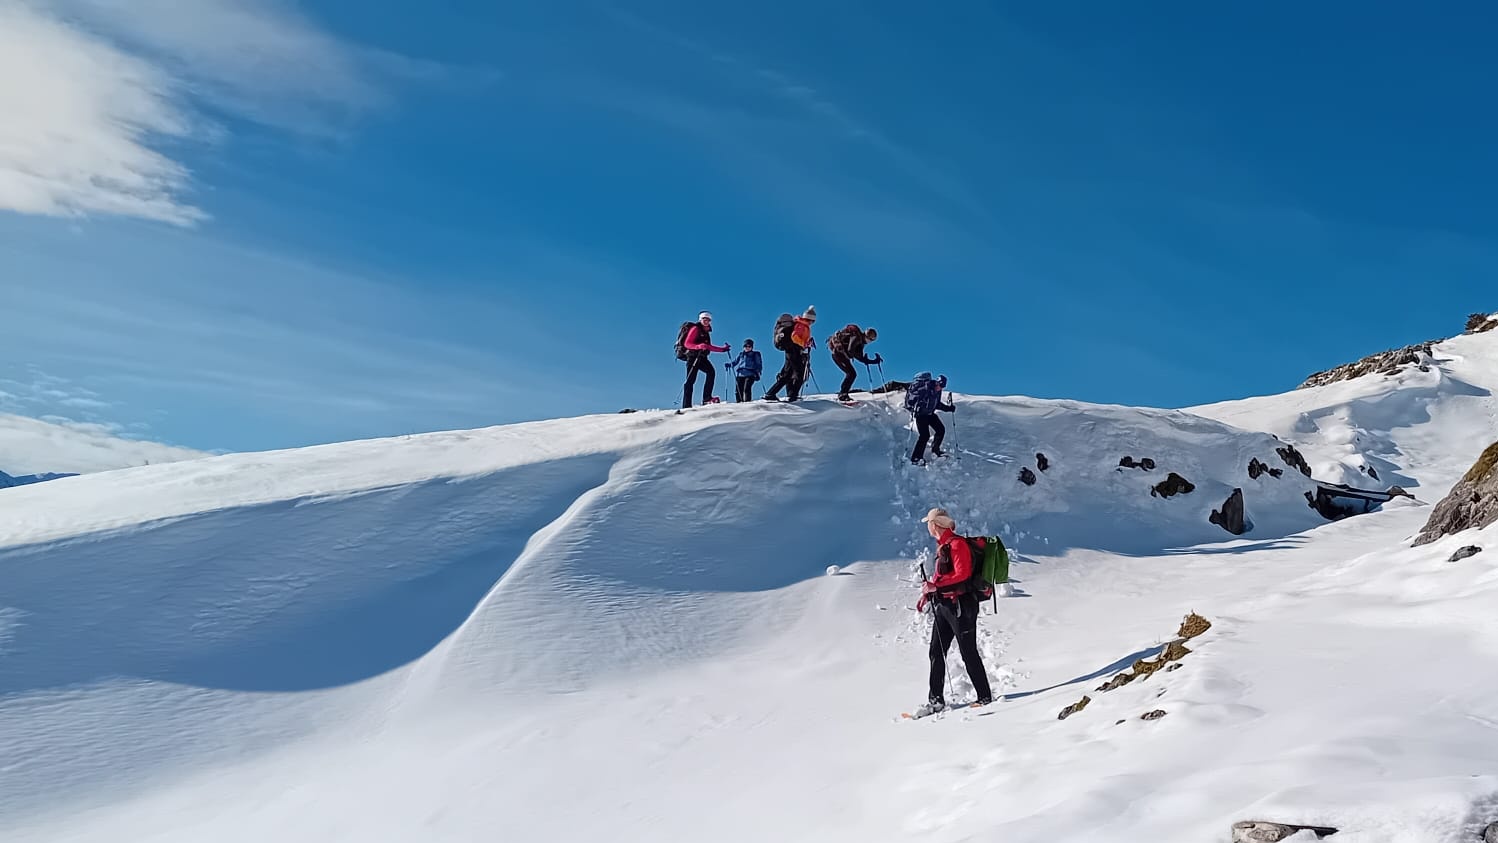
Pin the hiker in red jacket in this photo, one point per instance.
(954, 606)
(699, 344)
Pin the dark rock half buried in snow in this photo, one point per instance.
(1129, 462)
(1027, 477)
(1477, 323)
(1471, 504)
(1294, 459)
(1465, 553)
(1258, 469)
(1231, 517)
(1263, 831)
(1173, 484)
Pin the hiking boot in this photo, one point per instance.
(984, 701)
(769, 397)
(937, 452)
(917, 461)
(845, 398)
(931, 707)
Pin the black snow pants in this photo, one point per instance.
(925, 425)
(792, 375)
(956, 618)
(744, 389)
(697, 362)
(850, 374)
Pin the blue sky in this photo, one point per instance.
(243, 224)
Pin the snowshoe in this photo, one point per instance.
(930, 708)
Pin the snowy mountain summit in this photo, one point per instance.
(619, 628)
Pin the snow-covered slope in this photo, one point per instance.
(1417, 429)
(33, 446)
(615, 628)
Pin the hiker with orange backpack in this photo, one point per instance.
(954, 592)
(793, 336)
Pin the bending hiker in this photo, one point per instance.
(693, 344)
(954, 599)
(922, 400)
(793, 336)
(746, 369)
(846, 346)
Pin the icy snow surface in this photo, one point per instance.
(620, 628)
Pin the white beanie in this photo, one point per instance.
(704, 315)
(811, 313)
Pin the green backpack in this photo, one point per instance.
(990, 568)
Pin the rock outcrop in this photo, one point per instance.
(1129, 462)
(1231, 517)
(1026, 476)
(1471, 504)
(1389, 362)
(1477, 323)
(1042, 462)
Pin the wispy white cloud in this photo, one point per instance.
(835, 173)
(97, 95)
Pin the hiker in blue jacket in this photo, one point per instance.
(922, 400)
(746, 369)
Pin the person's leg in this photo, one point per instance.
(686, 388)
(785, 378)
(941, 641)
(923, 428)
(705, 366)
(850, 375)
(940, 431)
(967, 645)
(798, 377)
(744, 390)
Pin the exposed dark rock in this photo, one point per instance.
(1294, 459)
(890, 386)
(1176, 666)
(1152, 715)
(1074, 708)
(1263, 831)
(1041, 462)
(1479, 322)
(1490, 834)
(1173, 484)
(1027, 477)
(1464, 553)
(1230, 517)
(627, 410)
(1383, 363)
(1257, 469)
(1399, 492)
(1129, 462)
(1471, 504)
(1373, 472)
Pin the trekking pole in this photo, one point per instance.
(813, 376)
(870, 373)
(956, 442)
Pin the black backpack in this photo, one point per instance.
(783, 328)
(681, 340)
